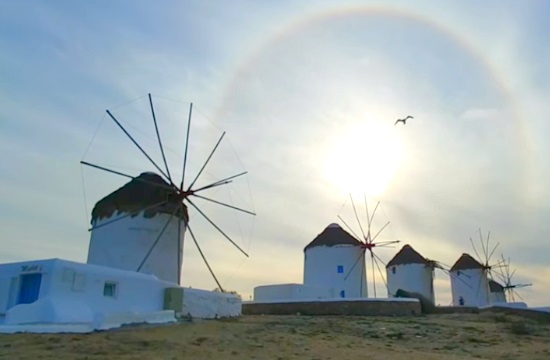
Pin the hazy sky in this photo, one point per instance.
(308, 93)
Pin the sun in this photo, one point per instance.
(363, 158)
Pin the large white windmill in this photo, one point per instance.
(141, 226)
(470, 277)
(368, 242)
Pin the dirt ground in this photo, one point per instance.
(452, 336)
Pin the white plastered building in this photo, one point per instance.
(410, 271)
(336, 260)
(469, 282)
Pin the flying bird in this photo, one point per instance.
(404, 121)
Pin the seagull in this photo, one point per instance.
(404, 121)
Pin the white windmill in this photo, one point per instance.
(470, 277)
(141, 226)
(368, 242)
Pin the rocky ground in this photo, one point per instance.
(452, 336)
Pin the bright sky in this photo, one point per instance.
(308, 93)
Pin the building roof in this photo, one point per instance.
(140, 193)
(407, 255)
(333, 235)
(466, 262)
(495, 287)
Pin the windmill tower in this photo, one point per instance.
(410, 271)
(141, 226)
(368, 243)
(509, 288)
(470, 277)
(329, 257)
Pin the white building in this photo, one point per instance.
(410, 271)
(124, 244)
(469, 282)
(336, 260)
(64, 296)
(496, 292)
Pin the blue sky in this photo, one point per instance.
(292, 103)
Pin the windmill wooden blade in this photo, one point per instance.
(126, 175)
(357, 217)
(186, 146)
(140, 148)
(204, 258)
(158, 137)
(206, 162)
(157, 239)
(217, 227)
(361, 256)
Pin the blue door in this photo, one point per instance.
(29, 288)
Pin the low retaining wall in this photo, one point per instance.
(201, 304)
(371, 307)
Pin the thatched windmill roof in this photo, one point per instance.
(407, 255)
(333, 235)
(466, 262)
(140, 193)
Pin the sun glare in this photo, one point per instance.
(363, 158)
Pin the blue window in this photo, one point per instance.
(29, 288)
(340, 269)
(342, 294)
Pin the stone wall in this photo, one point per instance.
(358, 307)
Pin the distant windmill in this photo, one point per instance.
(486, 260)
(506, 277)
(368, 243)
(174, 197)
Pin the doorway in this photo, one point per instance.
(29, 288)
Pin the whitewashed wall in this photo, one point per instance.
(209, 305)
(123, 244)
(472, 285)
(497, 297)
(321, 269)
(411, 277)
(74, 292)
(291, 292)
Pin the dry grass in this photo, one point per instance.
(453, 336)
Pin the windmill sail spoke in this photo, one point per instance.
(204, 258)
(376, 259)
(127, 176)
(361, 256)
(157, 239)
(224, 204)
(132, 213)
(217, 228)
(180, 248)
(186, 146)
(220, 182)
(139, 147)
(206, 162)
(367, 210)
(485, 251)
(379, 231)
(373, 274)
(357, 217)
(492, 252)
(479, 257)
(349, 227)
(158, 137)
(374, 211)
